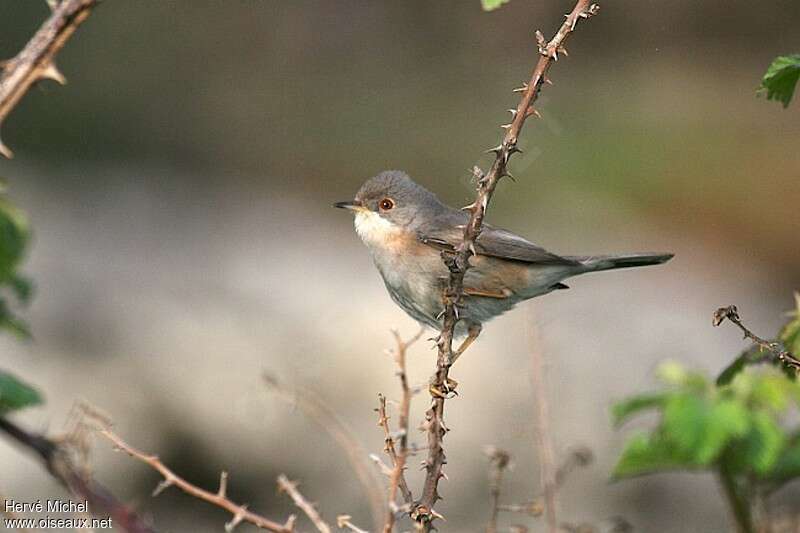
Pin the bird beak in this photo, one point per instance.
(353, 205)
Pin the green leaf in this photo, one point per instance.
(787, 466)
(15, 394)
(764, 442)
(491, 5)
(644, 454)
(685, 419)
(781, 78)
(790, 334)
(748, 357)
(623, 410)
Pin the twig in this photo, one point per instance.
(343, 522)
(315, 408)
(220, 499)
(732, 314)
(458, 262)
(543, 440)
(58, 463)
(36, 61)
(397, 448)
(498, 462)
(290, 488)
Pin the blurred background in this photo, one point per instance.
(180, 190)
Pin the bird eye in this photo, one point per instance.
(386, 204)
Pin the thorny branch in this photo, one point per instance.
(290, 488)
(396, 444)
(37, 60)
(732, 314)
(220, 499)
(58, 461)
(458, 262)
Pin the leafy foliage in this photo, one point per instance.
(781, 78)
(735, 427)
(15, 395)
(702, 424)
(14, 238)
(491, 5)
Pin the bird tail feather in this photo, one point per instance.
(597, 263)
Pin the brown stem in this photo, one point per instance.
(37, 60)
(732, 314)
(219, 498)
(458, 262)
(57, 461)
(396, 444)
(290, 488)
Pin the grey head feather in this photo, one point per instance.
(419, 210)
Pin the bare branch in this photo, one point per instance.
(37, 60)
(343, 522)
(290, 488)
(57, 460)
(316, 409)
(240, 513)
(732, 314)
(458, 262)
(397, 447)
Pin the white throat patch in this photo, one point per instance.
(373, 229)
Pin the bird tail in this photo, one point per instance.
(597, 263)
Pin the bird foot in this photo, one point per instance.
(445, 391)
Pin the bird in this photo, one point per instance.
(406, 228)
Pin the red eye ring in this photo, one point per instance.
(386, 204)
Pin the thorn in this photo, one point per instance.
(51, 72)
(563, 51)
(508, 175)
(6, 151)
(505, 126)
(533, 111)
(513, 112)
(540, 40)
(520, 89)
(469, 207)
(161, 486)
(223, 484)
(52, 4)
(237, 519)
(514, 150)
(496, 150)
(547, 80)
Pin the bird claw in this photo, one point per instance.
(445, 391)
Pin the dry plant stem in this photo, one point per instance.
(732, 314)
(315, 408)
(219, 499)
(543, 442)
(397, 449)
(36, 61)
(290, 488)
(458, 262)
(58, 463)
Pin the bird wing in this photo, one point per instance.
(446, 231)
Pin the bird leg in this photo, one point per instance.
(472, 333)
